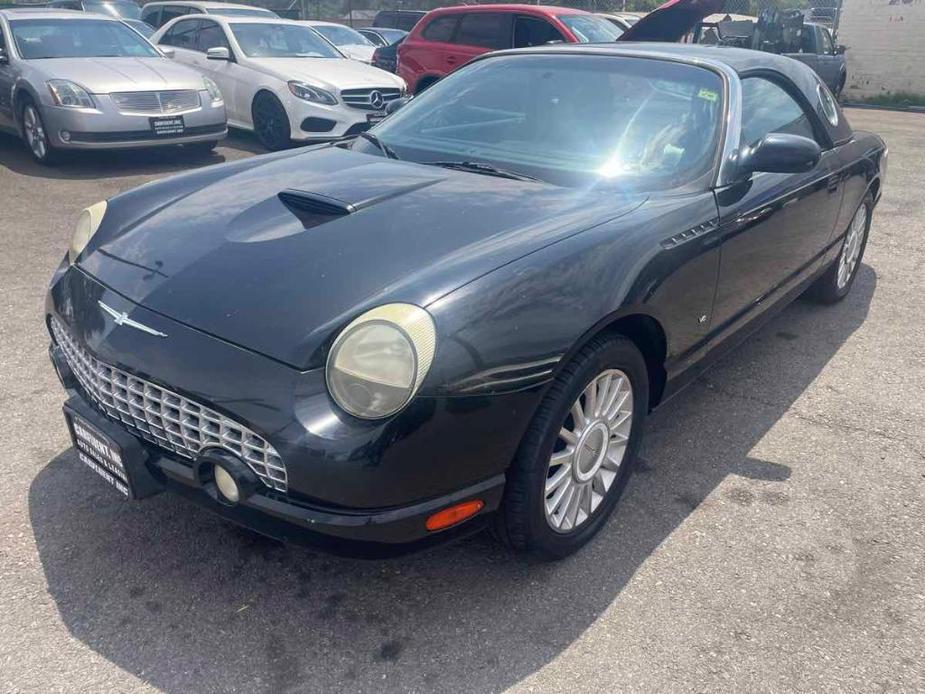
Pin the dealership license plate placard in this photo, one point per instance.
(373, 118)
(168, 127)
(98, 452)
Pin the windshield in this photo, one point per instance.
(123, 10)
(590, 29)
(142, 28)
(341, 36)
(241, 12)
(568, 119)
(281, 41)
(83, 38)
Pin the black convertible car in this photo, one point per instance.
(465, 315)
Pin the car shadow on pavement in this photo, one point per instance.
(186, 602)
(84, 164)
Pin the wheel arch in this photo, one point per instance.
(21, 92)
(643, 330)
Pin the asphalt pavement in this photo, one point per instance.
(772, 540)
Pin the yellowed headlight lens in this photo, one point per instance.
(378, 362)
(87, 224)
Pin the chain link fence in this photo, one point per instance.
(362, 11)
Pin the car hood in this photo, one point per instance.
(332, 74)
(672, 20)
(220, 251)
(104, 75)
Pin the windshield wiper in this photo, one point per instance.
(386, 150)
(482, 167)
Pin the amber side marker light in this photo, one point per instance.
(454, 514)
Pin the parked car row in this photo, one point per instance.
(81, 80)
(285, 80)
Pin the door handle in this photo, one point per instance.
(831, 184)
(452, 60)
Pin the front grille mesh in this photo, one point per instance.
(361, 98)
(155, 103)
(164, 418)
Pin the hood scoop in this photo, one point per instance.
(377, 187)
(313, 209)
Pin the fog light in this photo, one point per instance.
(454, 514)
(65, 135)
(227, 487)
(225, 477)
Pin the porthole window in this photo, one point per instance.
(828, 104)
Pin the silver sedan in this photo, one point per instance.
(73, 80)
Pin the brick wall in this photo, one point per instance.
(886, 46)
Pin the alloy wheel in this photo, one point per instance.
(851, 249)
(589, 451)
(35, 132)
(271, 123)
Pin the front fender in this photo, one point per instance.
(512, 328)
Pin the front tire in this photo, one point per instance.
(836, 282)
(34, 134)
(576, 456)
(271, 124)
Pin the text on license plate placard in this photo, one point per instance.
(166, 127)
(99, 453)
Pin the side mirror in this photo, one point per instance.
(4, 58)
(840, 49)
(393, 106)
(780, 153)
(168, 52)
(218, 53)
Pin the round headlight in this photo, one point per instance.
(380, 359)
(87, 224)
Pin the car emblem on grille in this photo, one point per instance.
(123, 319)
(376, 99)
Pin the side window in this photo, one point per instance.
(768, 108)
(533, 31)
(441, 29)
(169, 12)
(151, 15)
(2, 38)
(485, 29)
(211, 35)
(827, 46)
(807, 39)
(182, 35)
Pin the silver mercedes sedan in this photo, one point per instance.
(74, 80)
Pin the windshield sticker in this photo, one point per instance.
(708, 95)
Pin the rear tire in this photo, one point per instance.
(593, 458)
(836, 282)
(271, 124)
(34, 134)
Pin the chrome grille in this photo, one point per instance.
(164, 418)
(361, 98)
(156, 102)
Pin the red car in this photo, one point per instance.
(451, 36)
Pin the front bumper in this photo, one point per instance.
(360, 533)
(353, 487)
(310, 122)
(106, 128)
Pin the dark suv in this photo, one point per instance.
(398, 19)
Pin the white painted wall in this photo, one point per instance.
(886, 46)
